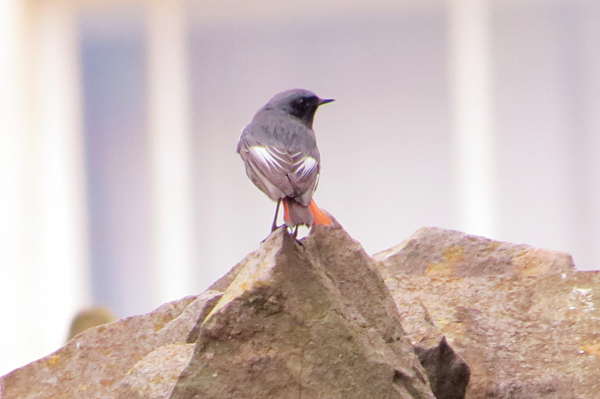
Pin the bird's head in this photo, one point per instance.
(299, 103)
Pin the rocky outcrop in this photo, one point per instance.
(436, 252)
(304, 320)
(94, 363)
(292, 320)
(315, 319)
(526, 322)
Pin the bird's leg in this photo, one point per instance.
(274, 227)
(295, 232)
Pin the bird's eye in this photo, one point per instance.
(299, 103)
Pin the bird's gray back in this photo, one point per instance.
(275, 128)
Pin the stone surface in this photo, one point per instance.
(314, 320)
(432, 251)
(94, 362)
(523, 335)
(224, 282)
(309, 320)
(155, 376)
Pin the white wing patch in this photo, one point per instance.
(270, 159)
(304, 167)
(295, 164)
(295, 174)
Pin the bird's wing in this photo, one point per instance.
(295, 174)
(304, 176)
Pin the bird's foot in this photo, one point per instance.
(275, 227)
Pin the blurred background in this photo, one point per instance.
(119, 119)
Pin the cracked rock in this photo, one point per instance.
(310, 320)
(292, 320)
(524, 319)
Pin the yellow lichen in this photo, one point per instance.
(494, 245)
(454, 253)
(54, 359)
(591, 349)
(440, 269)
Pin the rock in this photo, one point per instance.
(304, 320)
(311, 318)
(95, 362)
(525, 331)
(155, 376)
(448, 373)
(224, 282)
(315, 319)
(432, 251)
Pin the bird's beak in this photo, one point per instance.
(321, 102)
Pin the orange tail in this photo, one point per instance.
(295, 214)
(319, 217)
(286, 212)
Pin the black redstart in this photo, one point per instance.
(279, 149)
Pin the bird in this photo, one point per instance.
(279, 150)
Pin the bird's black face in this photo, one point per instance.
(298, 103)
(304, 107)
